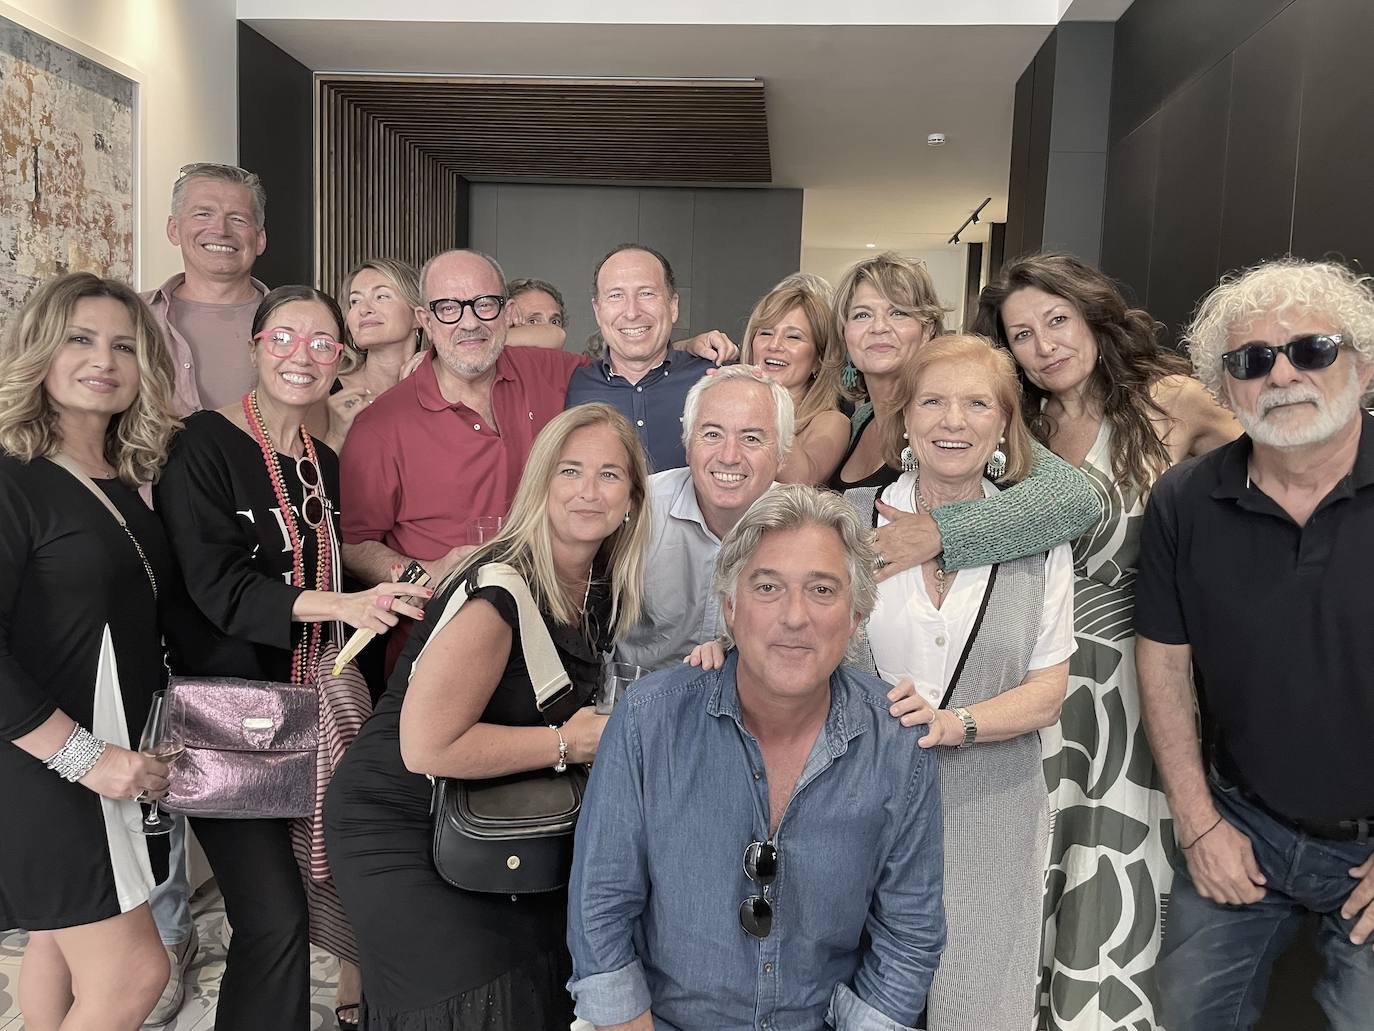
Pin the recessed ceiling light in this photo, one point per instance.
(936, 139)
(870, 245)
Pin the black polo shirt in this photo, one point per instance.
(1279, 620)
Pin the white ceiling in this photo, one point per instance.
(849, 107)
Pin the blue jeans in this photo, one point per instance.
(1215, 962)
(170, 901)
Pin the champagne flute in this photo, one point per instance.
(162, 740)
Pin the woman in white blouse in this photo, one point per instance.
(981, 657)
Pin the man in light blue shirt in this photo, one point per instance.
(737, 429)
(761, 845)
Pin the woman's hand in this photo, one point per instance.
(710, 655)
(943, 727)
(413, 362)
(380, 608)
(908, 539)
(122, 774)
(583, 734)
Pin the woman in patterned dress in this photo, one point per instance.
(1106, 396)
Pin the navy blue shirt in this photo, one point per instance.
(653, 405)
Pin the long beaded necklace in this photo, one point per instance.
(941, 577)
(305, 655)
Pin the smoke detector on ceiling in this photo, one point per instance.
(936, 139)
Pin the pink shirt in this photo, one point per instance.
(187, 397)
(416, 470)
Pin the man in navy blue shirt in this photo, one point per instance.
(635, 300)
(761, 845)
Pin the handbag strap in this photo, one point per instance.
(548, 678)
(68, 463)
(972, 635)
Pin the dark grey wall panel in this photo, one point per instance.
(1262, 141)
(743, 242)
(1082, 70)
(1073, 204)
(1128, 219)
(1332, 212)
(726, 246)
(276, 140)
(1018, 174)
(1162, 45)
(1187, 222)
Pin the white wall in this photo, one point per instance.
(183, 56)
(945, 264)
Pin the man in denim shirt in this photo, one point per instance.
(761, 844)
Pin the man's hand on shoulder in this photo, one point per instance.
(713, 345)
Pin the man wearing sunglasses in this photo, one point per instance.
(761, 844)
(1255, 570)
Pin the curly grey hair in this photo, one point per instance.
(790, 507)
(1286, 288)
(785, 413)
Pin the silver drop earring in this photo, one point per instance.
(908, 458)
(627, 518)
(997, 464)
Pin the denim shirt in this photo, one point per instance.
(678, 792)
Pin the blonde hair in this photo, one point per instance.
(1288, 286)
(1006, 388)
(136, 439)
(407, 283)
(823, 392)
(899, 281)
(526, 543)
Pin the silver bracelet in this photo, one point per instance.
(78, 756)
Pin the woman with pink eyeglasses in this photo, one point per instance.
(247, 502)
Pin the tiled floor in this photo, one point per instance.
(202, 989)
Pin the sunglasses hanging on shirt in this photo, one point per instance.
(761, 867)
(1306, 353)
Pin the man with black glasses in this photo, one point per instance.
(760, 845)
(1255, 570)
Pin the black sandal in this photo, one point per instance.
(347, 1025)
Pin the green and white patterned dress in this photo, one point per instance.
(1109, 876)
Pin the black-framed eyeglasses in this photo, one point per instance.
(449, 310)
(1308, 353)
(761, 867)
(313, 505)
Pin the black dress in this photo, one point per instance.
(78, 632)
(435, 957)
(222, 518)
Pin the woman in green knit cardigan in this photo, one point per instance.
(885, 307)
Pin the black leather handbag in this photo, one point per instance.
(511, 835)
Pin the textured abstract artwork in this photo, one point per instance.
(66, 166)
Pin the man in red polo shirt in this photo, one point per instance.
(447, 444)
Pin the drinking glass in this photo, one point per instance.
(615, 681)
(162, 740)
(484, 528)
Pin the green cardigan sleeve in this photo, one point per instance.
(1054, 504)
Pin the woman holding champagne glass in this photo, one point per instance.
(85, 419)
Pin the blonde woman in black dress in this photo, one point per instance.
(85, 377)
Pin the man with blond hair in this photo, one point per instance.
(1255, 569)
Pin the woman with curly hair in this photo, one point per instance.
(85, 418)
(1105, 395)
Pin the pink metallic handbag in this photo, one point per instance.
(250, 749)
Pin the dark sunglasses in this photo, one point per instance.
(1308, 353)
(761, 867)
(313, 505)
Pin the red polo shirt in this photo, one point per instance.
(416, 470)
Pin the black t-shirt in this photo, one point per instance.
(220, 510)
(1278, 618)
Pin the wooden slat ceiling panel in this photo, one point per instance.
(636, 130)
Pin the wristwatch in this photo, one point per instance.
(970, 725)
(562, 765)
